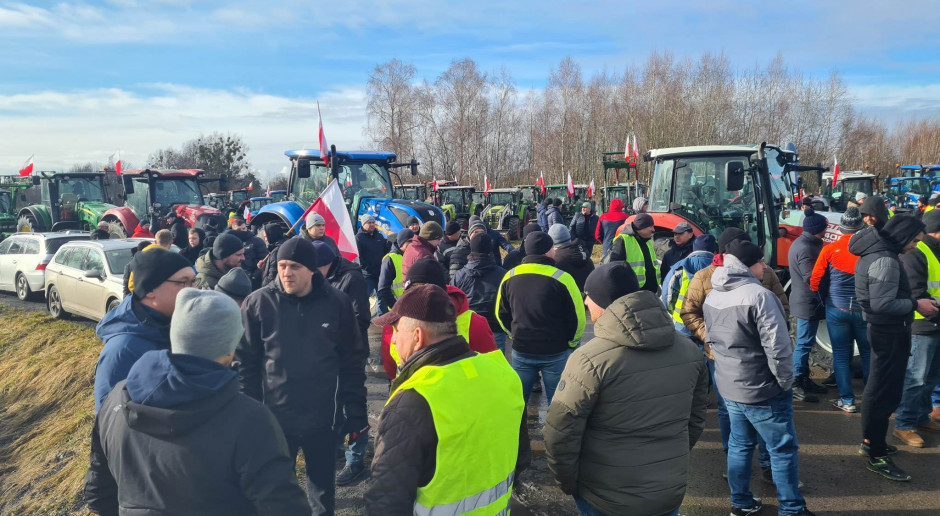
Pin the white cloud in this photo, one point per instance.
(64, 128)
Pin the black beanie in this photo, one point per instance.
(226, 245)
(745, 251)
(481, 243)
(452, 228)
(299, 250)
(413, 220)
(427, 270)
(610, 282)
(557, 202)
(932, 221)
(537, 243)
(273, 231)
(154, 266)
(729, 235)
(530, 228)
(547, 202)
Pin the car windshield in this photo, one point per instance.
(169, 191)
(500, 198)
(81, 188)
(700, 193)
(365, 179)
(117, 260)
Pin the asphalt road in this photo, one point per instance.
(837, 482)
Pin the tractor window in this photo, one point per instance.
(528, 195)
(500, 198)
(139, 199)
(369, 178)
(80, 189)
(177, 191)
(662, 186)
(454, 197)
(6, 202)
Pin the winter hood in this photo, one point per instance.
(616, 206)
(695, 262)
(458, 298)
(897, 233)
(731, 275)
(173, 394)
(637, 321)
(152, 326)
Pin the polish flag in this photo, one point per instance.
(116, 159)
(331, 206)
(324, 147)
(247, 214)
(27, 167)
(486, 184)
(636, 152)
(570, 186)
(835, 171)
(434, 185)
(626, 148)
(590, 192)
(542, 182)
(251, 186)
(268, 193)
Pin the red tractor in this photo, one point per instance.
(152, 193)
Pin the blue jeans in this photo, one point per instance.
(357, 450)
(500, 339)
(805, 338)
(586, 509)
(773, 421)
(528, 367)
(724, 422)
(845, 328)
(936, 396)
(923, 374)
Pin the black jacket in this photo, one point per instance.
(514, 258)
(573, 259)
(480, 281)
(270, 265)
(443, 248)
(192, 253)
(180, 233)
(386, 279)
(804, 303)
(915, 265)
(300, 357)
(674, 255)
(406, 442)
(584, 228)
(538, 312)
(881, 285)
(553, 216)
(347, 277)
(372, 247)
(619, 253)
(328, 240)
(458, 257)
(178, 438)
(255, 251)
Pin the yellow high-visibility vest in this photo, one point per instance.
(635, 257)
(398, 284)
(476, 404)
(933, 275)
(463, 329)
(558, 275)
(683, 289)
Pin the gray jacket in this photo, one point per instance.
(804, 303)
(748, 336)
(629, 408)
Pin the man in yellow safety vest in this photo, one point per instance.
(452, 435)
(634, 245)
(391, 279)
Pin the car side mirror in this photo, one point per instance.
(35, 180)
(414, 167)
(94, 273)
(734, 176)
(223, 182)
(303, 168)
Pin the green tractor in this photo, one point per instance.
(67, 201)
(458, 203)
(412, 192)
(569, 205)
(506, 212)
(12, 194)
(626, 192)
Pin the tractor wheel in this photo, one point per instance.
(116, 230)
(661, 241)
(28, 224)
(513, 230)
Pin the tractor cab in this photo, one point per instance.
(412, 192)
(67, 201)
(505, 211)
(153, 193)
(905, 191)
(569, 205)
(458, 203)
(836, 197)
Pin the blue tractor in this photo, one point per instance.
(905, 191)
(366, 180)
(931, 172)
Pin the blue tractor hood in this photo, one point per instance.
(392, 214)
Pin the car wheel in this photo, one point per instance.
(54, 303)
(22, 288)
(112, 304)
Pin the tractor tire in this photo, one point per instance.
(661, 240)
(28, 224)
(513, 229)
(116, 230)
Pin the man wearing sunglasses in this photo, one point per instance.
(141, 323)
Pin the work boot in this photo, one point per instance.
(810, 386)
(935, 414)
(909, 437)
(930, 426)
(350, 474)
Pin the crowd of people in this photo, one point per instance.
(223, 363)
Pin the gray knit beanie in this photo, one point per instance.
(205, 324)
(559, 233)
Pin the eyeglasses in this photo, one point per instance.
(185, 283)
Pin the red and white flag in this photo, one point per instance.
(251, 186)
(570, 186)
(626, 148)
(332, 208)
(268, 193)
(247, 214)
(116, 160)
(434, 185)
(835, 171)
(590, 192)
(636, 152)
(486, 184)
(27, 167)
(542, 182)
(324, 147)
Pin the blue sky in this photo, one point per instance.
(82, 79)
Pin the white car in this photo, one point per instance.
(24, 257)
(86, 278)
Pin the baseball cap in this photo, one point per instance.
(429, 303)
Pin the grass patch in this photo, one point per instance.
(47, 370)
